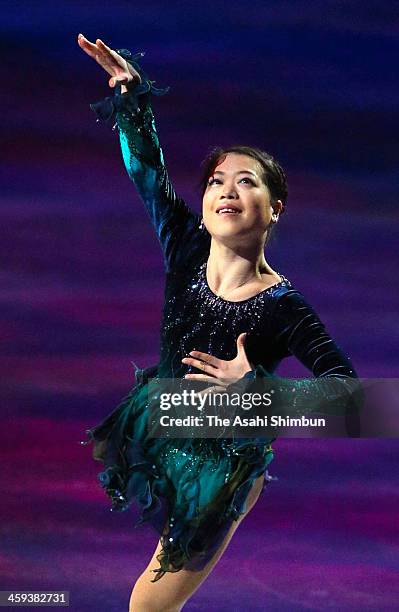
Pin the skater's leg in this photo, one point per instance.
(170, 592)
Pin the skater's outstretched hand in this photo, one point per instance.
(120, 71)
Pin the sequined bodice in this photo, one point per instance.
(197, 319)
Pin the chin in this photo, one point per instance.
(225, 229)
(231, 237)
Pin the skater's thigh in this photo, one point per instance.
(176, 588)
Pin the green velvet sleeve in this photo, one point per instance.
(175, 224)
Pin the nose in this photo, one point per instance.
(229, 193)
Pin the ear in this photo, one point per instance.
(278, 209)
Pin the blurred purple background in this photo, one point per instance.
(315, 84)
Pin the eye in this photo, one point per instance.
(213, 180)
(247, 181)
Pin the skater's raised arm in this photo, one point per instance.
(176, 225)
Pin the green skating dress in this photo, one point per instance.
(191, 490)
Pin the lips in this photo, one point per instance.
(228, 210)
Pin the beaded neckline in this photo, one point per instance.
(283, 281)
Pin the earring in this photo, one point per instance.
(201, 225)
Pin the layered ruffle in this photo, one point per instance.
(190, 490)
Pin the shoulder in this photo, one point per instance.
(286, 295)
(291, 309)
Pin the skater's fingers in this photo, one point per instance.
(87, 46)
(106, 61)
(111, 57)
(103, 47)
(210, 359)
(117, 67)
(120, 80)
(202, 377)
(114, 64)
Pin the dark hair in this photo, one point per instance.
(273, 175)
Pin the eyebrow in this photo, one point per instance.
(240, 172)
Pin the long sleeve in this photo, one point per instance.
(176, 226)
(297, 330)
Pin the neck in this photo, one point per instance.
(229, 268)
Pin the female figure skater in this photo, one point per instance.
(228, 316)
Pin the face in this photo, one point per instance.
(236, 204)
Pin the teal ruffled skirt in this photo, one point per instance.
(189, 490)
